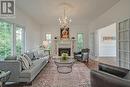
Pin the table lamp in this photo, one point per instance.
(45, 44)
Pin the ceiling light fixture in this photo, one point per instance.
(64, 20)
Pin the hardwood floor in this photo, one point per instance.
(49, 77)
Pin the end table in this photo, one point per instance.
(48, 50)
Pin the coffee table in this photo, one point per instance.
(64, 66)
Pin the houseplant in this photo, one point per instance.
(64, 56)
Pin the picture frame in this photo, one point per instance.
(64, 33)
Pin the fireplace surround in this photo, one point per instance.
(66, 46)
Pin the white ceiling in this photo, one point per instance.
(80, 11)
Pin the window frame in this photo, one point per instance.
(13, 36)
(23, 37)
(46, 35)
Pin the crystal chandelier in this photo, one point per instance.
(64, 20)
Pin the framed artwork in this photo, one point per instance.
(64, 33)
(109, 38)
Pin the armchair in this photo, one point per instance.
(83, 55)
(110, 76)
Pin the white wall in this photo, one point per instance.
(74, 29)
(107, 48)
(118, 12)
(32, 29)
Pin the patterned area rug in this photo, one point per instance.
(49, 77)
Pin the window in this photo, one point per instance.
(48, 38)
(11, 39)
(92, 43)
(19, 40)
(124, 43)
(5, 39)
(80, 42)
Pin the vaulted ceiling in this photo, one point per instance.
(80, 11)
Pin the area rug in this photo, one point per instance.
(49, 77)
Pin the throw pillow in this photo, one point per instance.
(30, 55)
(36, 55)
(29, 59)
(85, 56)
(24, 62)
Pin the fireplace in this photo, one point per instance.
(64, 46)
(64, 50)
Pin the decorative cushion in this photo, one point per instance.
(30, 55)
(127, 76)
(29, 60)
(78, 55)
(85, 56)
(36, 54)
(24, 62)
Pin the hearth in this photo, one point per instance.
(64, 50)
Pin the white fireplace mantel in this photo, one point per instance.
(70, 43)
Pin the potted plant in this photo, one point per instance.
(64, 56)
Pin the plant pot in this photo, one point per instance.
(64, 58)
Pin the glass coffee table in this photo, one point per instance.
(64, 66)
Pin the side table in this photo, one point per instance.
(48, 50)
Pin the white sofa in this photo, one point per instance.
(19, 75)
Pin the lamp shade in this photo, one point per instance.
(45, 44)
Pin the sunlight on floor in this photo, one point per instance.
(107, 60)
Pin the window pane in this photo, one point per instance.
(19, 40)
(124, 44)
(5, 39)
(79, 41)
(48, 38)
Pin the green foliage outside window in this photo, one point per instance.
(80, 41)
(5, 39)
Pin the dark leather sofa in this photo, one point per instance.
(110, 76)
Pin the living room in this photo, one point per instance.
(64, 43)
